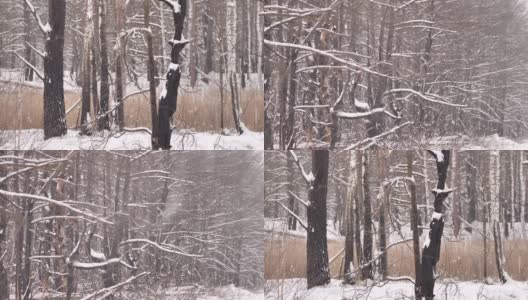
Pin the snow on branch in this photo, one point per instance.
(326, 54)
(301, 222)
(305, 203)
(55, 202)
(373, 140)
(46, 29)
(162, 248)
(110, 290)
(31, 66)
(308, 177)
(95, 265)
(424, 97)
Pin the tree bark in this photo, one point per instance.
(169, 96)
(104, 123)
(349, 238)
(151, 73)
(366, 270)
(317, 247)
(414, 224)
(431, 249)
(54, 109)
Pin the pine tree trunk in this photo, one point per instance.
(54, 109)
(317, 247)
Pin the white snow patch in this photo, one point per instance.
(291, 289)
(217, 293)
(439, 155)
(174, 67)
(33, 139)
(437, 216)
(427, 241)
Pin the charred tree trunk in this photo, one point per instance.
(54, 110)
(317, 247)
(431, 249)
(169, 96)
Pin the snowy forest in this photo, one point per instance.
(396, 224)
(400, 74)
(126, 74)
(131, 225)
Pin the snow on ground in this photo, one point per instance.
(229, 292)
(480, 143)
(280, 227)
(33, 139)
(293, 289)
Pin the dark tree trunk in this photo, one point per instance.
(208, 40)
(4, 277)
(292, 221)
(169, 97)
(471, 189)
(431, 250)
(414, 223)
(357, 207)
(105, 85)
(28, 242)
(383, 210)
(86, 81)
(317, 247)
(151, 76)
(499, 256)
(266, 68)
(349, 238)
(120, 12)
(54, 110)
(366, 270)
(27, 39)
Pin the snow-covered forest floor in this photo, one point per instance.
(197, 119)
(33, 139)
(229, 292)
(292, 289)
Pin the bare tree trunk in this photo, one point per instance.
(366, 270)
(54, 109)
(120, 11)
(349, 239)
(169, 96)
(317, 247)
(86, 69)
(383, 210)
(28, 74)
(151, 76)
(105, 85)
(414, 225)
(431, 249)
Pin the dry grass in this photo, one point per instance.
(22, 109)
(462, 260)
